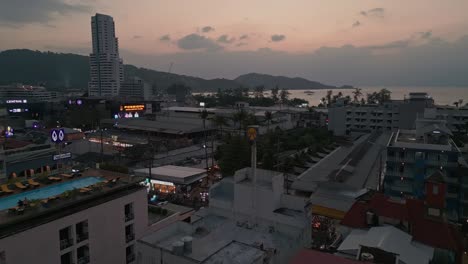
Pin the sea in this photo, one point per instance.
(441, 95)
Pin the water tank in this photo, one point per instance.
(367, 257)
(187, 244)
(370, 218)
(178, 248)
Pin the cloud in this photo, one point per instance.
(378, 12)
(356, 24)
(278, 38)
(441, 63)
(198, 42)
(20, 12)
(164, 38)
(137, 37)
(225, 39)
(426, 34)
(245, 36)
(240, 44)
(207, 29)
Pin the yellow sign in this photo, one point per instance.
(252, 133)
(131, 108)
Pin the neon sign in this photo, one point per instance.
(132, 108)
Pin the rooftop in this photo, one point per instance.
(174, 174)
(307, 256)
(215, 236)
(49, 209)
(389, 239)
(443, 235)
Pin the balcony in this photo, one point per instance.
(130, 258)
(81, 237)
(66, 243)
(129, 237)
(129, 217)
(83, 260)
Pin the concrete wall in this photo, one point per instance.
(336, 120)
(106, 227)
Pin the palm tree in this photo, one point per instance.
(219, 122)
(268, 118)
(240, 117)
(356, 94)
(329, 97)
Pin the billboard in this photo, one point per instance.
(132, 108)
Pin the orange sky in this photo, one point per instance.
(305, 24)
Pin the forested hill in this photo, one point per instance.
(60, 71)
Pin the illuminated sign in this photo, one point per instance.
(62, 156)
(57, 135)
(18, 110)
(132, 108)
(17, 101)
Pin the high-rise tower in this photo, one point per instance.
(106, 68)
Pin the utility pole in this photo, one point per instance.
(252, 133)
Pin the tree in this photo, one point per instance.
(268, 118)
(274, 94)
(235, 155)
(356, 94)
(329, 97)
(240, 117)
(219, 122)
(383, 96)
(258, 92)
(284, 96)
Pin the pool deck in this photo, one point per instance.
(34, 214)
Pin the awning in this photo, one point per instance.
(328, 212)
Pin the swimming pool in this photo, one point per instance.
(48, 191)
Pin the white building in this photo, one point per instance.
(106, 68)
(245, 223)
(389, 116)
(98, 227)
(18, 94)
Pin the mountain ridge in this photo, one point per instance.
(62, 71)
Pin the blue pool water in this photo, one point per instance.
(48, 191)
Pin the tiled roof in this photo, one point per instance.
(430, 231)
(307, 256)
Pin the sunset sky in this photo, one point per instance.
(236, 37)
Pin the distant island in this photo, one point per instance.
(61, 71)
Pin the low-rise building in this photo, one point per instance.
(388, 116)
(248, 221)
(415, 155)
(94, 224)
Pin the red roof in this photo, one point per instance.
(13, 143)
(432, 232)
(307, 256)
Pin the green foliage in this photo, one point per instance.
(235, 155)
(114, 167)
(379, 97)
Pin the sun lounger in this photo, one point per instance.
(55, 178)
(5, 189)
(20, 185)
(33, 183)
(67, 176)
(85, 190)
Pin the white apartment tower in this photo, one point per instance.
(106, 68)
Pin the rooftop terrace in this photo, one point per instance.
(37, 212)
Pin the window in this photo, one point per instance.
(435, 189)
(130, 253)
(82, 231)
(66, 239)
(67, 258)
(83, 254)
(129, 212)
(129, 234)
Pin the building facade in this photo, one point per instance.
(100, 229)
(106, 67)
(389, 116)
(414, 155)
